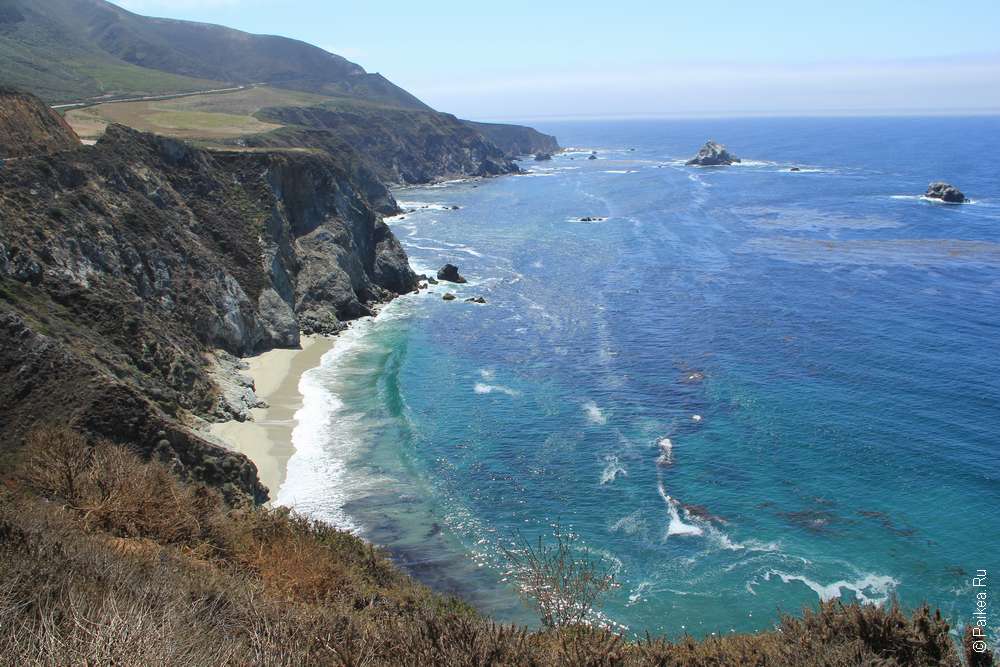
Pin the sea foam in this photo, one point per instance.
(676, 526)
(868, 589)
(666, 456)
(612, 468)
(483, 388)
(594, 414)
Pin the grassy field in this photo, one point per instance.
(216, 116)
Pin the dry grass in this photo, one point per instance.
(215, 116)
(114, 561)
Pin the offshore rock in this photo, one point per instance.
(945, 192)
(449, 272)
(713, 154)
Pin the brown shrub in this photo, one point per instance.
(142, 569)
(56, 459)
(977, 653)
(561, 583)
(117, 492)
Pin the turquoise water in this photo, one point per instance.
(747, 388)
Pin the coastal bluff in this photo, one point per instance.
(125, 265)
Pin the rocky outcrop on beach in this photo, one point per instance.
(713, 154)
(124, 266)
(945, 192)
(29, 127)
(449, 272)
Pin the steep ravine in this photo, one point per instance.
(125, 265)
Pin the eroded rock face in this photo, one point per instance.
(399, 145)
(29, 127)
(945, 192)
(713, 154)
(123, 266)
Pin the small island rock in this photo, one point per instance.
(945, 192)
(542, 157)
(449, 272)
(448, 296)
(712, 154)
(475, 299)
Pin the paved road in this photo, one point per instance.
(152, 98)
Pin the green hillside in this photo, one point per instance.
(69, 50)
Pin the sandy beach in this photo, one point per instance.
(267, 440)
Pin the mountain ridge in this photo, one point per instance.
(64, 45)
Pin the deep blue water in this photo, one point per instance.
(820, 348)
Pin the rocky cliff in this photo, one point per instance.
(30, 127)
(123, 266)
(400, 145)
(516, 140)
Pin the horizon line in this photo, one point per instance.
(718, 115)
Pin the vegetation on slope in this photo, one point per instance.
(109, 559)
(77, 49)
(402, 145)
(515, 140)
(30, 128)
(125, 266)
(208, 118)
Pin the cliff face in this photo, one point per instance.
(400, 145)
(515, 140)
(30, 127)
(122, 266)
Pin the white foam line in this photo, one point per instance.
(868, 589)
(483, 388)
(328, 434)
(676, 526)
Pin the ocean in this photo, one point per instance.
(746, 389)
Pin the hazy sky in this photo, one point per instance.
(517, 59)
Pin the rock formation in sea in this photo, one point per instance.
(945, 192)
(449, 272)
(713, 154)
(124, 266)
(543, 157)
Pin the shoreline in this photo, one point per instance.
(266, 438)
